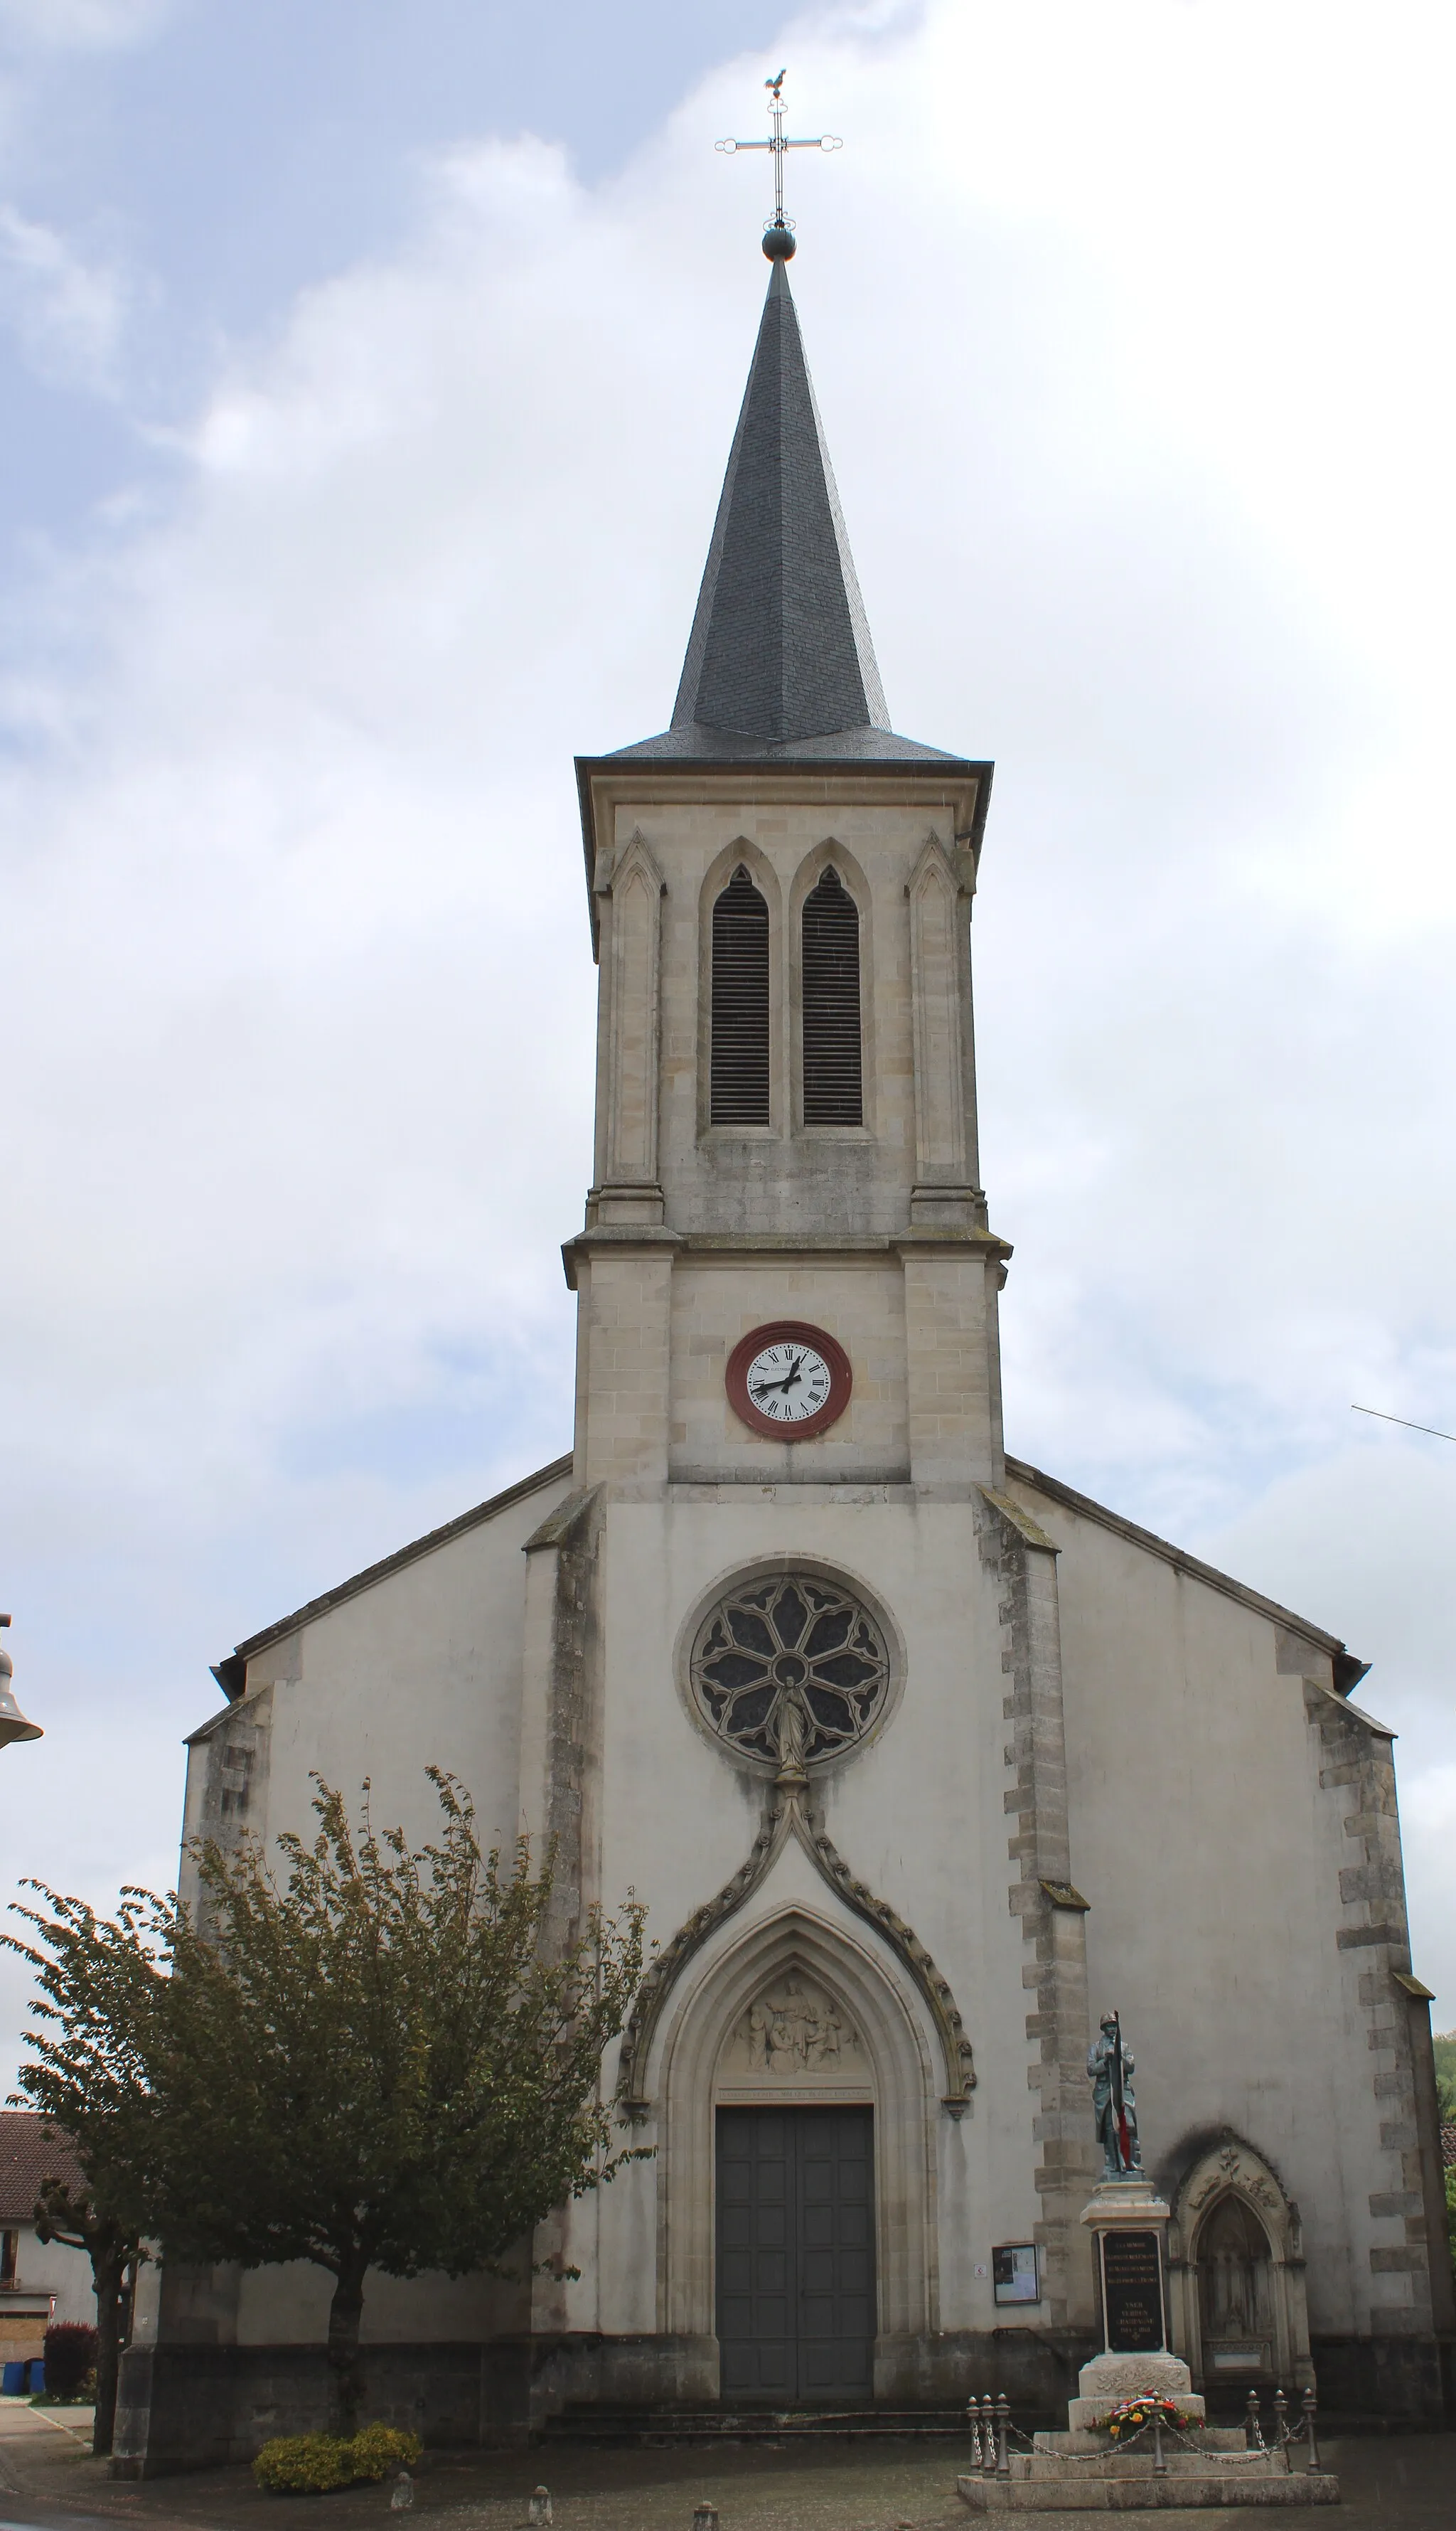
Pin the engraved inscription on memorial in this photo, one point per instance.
(1133, 2293)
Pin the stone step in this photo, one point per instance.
(667, 2426)
(1139, 2464)
(1083, 2491)
(1084, 2438)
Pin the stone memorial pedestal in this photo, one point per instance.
(1083, 2470)
(1129, 2224)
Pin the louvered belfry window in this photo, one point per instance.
(832, 1090)
(739, 1061)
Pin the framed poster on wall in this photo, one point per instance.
(1014, 2274)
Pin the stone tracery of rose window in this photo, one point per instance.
(790, 1670)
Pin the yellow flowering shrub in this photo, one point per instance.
(377, 2450)
(313, 2464)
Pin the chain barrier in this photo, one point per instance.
(991, 2432)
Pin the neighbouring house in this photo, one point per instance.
(39, 2281)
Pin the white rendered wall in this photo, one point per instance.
(1211, 1858)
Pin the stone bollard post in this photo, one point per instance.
(987, 2436)
(1281, 2428)
(1003, 2419)
(973, 2428)
(705, 2517)
(402, 2494)
(539, 2508)
(1159, 2463)
(1252, 2433)
(1313, 2463)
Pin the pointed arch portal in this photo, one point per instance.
(796, 2014)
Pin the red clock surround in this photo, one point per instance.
(788, 1331)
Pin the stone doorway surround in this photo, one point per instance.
(1232, 2168)
(713, 2053)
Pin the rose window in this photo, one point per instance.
(789, 1668)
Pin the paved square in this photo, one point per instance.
(49, 2480)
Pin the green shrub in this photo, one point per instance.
(313, 2464)
(377, 2450)
(304, 2464)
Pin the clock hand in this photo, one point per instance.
(787, 1384)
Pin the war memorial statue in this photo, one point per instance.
(1109, 2064)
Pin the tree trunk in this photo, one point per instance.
(345, 2314)
(108, 2268)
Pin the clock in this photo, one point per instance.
(788, 1381)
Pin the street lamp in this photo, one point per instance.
(13, 1723)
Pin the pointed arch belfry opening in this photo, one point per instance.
(879, 2055)
(829, 985)
(739, 1092)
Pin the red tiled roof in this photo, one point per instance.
(1448, 2144)
(30, 2153)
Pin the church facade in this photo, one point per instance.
(918, 1758)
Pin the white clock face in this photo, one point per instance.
(788, 1383)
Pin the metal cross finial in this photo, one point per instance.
(779, 233)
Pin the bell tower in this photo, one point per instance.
(780, 890)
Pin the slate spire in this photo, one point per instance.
(780, 648)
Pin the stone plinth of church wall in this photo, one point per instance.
(1386, 2380)
(182, 2407)
(1037, 2368)
(194, 2407)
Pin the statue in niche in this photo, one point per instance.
(793, 1728)
(1109, 2065)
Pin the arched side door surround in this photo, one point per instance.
(1239, 2316)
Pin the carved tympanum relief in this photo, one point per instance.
(793, 2029)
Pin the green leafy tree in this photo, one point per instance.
(102, 2001)
(381, 2059)
(1443, 2048)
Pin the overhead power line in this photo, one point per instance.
(1405, 1420)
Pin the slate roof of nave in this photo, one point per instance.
(231, 1673)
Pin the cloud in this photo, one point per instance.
(1144, 472)
(83, 25)
(67, 312)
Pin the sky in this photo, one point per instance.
(366, 378)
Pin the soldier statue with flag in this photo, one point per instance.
(1109, 2066)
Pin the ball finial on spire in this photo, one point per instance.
(778, 242)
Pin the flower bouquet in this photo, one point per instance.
(1130, 2416)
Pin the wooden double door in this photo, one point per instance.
(796, 2256)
